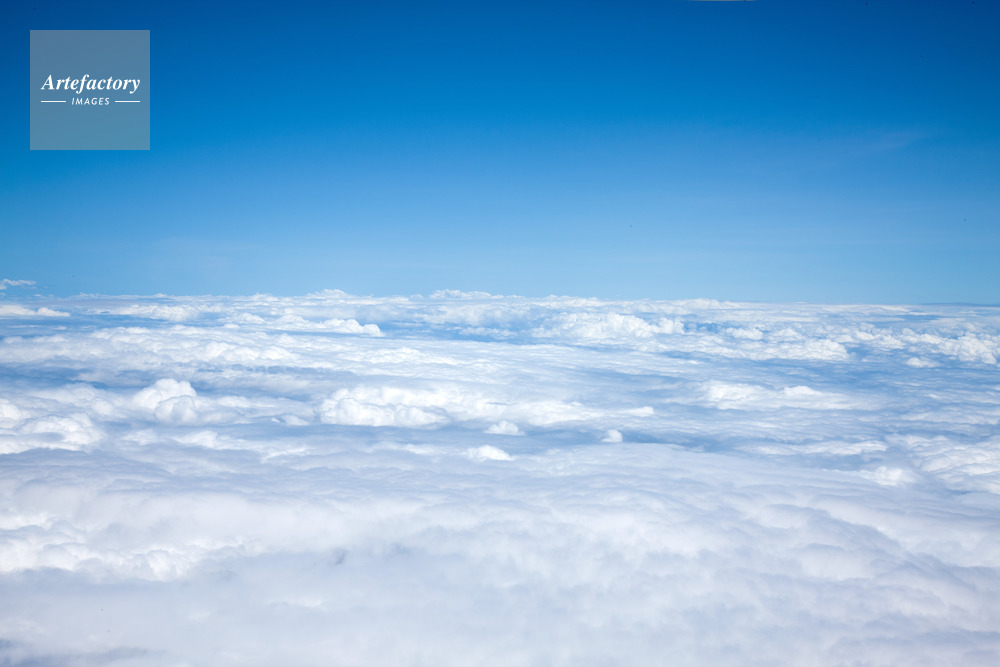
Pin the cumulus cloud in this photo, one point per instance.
(169, 400)
(383, 406)
(488, 453)
(612, 435)
(504, 427)
(607, 326)
(333, 479)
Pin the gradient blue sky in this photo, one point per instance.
(770, 150)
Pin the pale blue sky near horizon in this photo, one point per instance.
(771, 150)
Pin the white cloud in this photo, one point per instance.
(169, 400)
(608, 326)
(612, 435)
(503, 427)
(10, 414)
(71, 431)
(7, 282)
(383, 406)
(730, 395)
(173, 313)
(278, 480)
(488, 453)
(18, 310)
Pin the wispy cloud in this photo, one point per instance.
(7, 282)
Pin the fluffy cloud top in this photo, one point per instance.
(332, 479)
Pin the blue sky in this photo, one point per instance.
(823, 151)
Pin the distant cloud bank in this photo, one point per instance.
(466, 479)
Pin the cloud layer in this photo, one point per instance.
(471, 479)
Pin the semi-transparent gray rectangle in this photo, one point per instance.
(89, 90)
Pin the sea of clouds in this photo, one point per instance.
(467, 479)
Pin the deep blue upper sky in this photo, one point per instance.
(769, 150)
